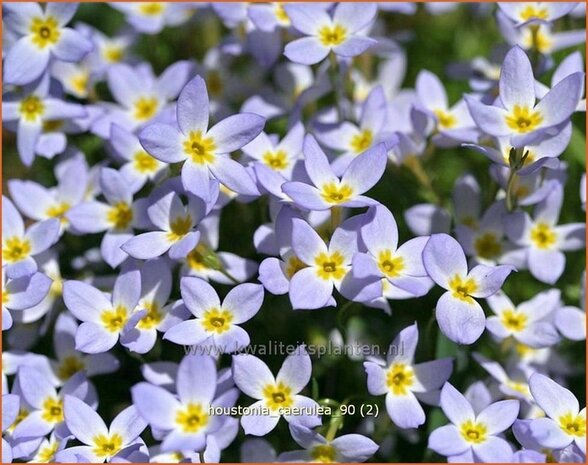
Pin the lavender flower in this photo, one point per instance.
(276, 395)
(459, 315)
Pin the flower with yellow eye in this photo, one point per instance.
(203, 151)
(152, 17)
(515, 114)
(140, 96)
(453, 124)
(327, 267)
(402, 267)
(104, 317)
(20, 246)
(341, 34)
(140, 167)
(99, 442)
(68, 361)
(39, 119)
(543, 240)
(118, 216)
(40, 203)
(317, 448)
(353, 139)
(564, 423)
(524, 12)
(153, 313)
(175, 223)
(278, 156)
(185, 419)
(41, 36)
(459, 315)
(327, 190)
(277, 396)
(45, 402)
(403, 381)
(275, 273)
(476, 436)
(529, 322)
(216, 323)
(513, 383)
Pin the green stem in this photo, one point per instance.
(510, 191)
(414, 164)
(335, 425)
(336, 217)
(337, 83)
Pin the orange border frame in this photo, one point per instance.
(259, 1)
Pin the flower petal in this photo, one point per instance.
(444, 258)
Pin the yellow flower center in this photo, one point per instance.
(152, 318)
(473, 432)
(31, 108)
(399, 378)
(58, 211)
(79, 82)
(335, 194)
(112, 53)
(513, 320)
(44, 31)
(533, 11)
(179, 228)
(145, 108)
(362, 141)
(487, 245)
(331, 36)
(120, 215)
(45, 454)
(523, 388)
(15, 249)
(278, 396)
(445, 120)
(5, 297)
(144, 163)
(199, 148)
(281, 14)
(523, 119)
(325, 453)
(69, 366)
(192, 418)
(217, 321)
(573, 425)
(330, 266)
(462, 289)
(52, 410)
(293, 266)
(390, 265)
(151, 8)
(543, 236)
(114, 319)
(276, 160)
(107, 446)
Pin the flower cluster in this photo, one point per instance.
(200, 202)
